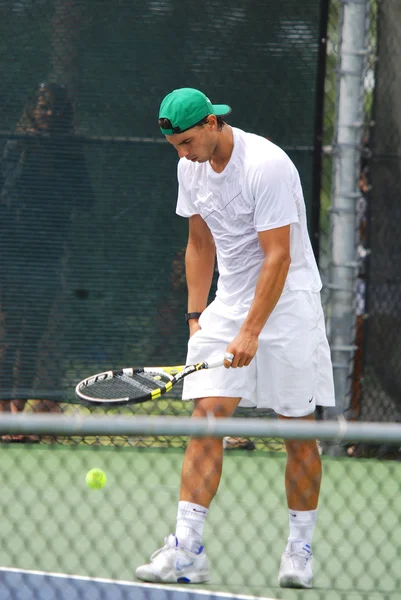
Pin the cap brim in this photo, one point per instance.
(221, 110)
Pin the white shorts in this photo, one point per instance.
(291, 372)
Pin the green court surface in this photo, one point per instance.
(52, 522)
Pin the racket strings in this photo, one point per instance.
(144, 382)
(126, 386)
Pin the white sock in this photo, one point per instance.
(302, 525)
(190, 522)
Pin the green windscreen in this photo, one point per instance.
(91, 251)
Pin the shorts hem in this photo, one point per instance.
(220, 393)
(296, 413)
(328, 402)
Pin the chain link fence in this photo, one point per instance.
(92, 277)
(381, 384)
(61, 539)
(374, 381)
(88, 230)
(80, 201)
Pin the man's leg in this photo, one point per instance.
(183, 559)
(302, 483)
(201, 473)
(201, 470)
(303, 473)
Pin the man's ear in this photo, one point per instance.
(212, 121)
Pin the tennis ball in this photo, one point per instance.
(96, 479)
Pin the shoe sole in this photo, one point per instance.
(198, 578)
(291, 581)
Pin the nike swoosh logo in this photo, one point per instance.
(293, 515)
(180, 566)
(311, 400)
(199, 511)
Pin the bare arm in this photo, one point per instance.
(275, 244)
(200, 259)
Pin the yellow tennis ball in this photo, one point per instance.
(96, 479)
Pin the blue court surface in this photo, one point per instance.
(17, 584)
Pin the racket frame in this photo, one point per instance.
(174, 375)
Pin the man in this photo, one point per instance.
(243, 199)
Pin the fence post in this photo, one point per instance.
(351, 68)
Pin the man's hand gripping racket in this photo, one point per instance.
(133, 386)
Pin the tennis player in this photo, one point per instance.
(243, 199)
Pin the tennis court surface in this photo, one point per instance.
(61, 540)
(27, 585)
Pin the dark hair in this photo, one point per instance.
(166, 124)
(220, 122)
(60, 102)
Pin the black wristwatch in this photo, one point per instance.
(192, 315)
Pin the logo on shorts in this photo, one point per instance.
(311, 400)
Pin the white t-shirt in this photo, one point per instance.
(258, 190)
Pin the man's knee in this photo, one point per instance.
(215, 406)
(301, 449)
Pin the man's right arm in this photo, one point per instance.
(200, 257)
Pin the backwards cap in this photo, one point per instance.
(186, 107)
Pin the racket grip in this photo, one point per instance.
(219, 363)
(229, 357)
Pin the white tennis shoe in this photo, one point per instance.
(296, 566)
(173, 564)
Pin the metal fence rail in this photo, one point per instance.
(338, 430)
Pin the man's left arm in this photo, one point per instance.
(275, 244)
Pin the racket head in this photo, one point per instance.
(125, 386)
(133, 386)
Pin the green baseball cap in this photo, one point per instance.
(186, 107)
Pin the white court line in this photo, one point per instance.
(182, 588)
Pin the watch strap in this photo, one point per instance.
(192, 315)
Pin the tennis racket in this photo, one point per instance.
(133, 386)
